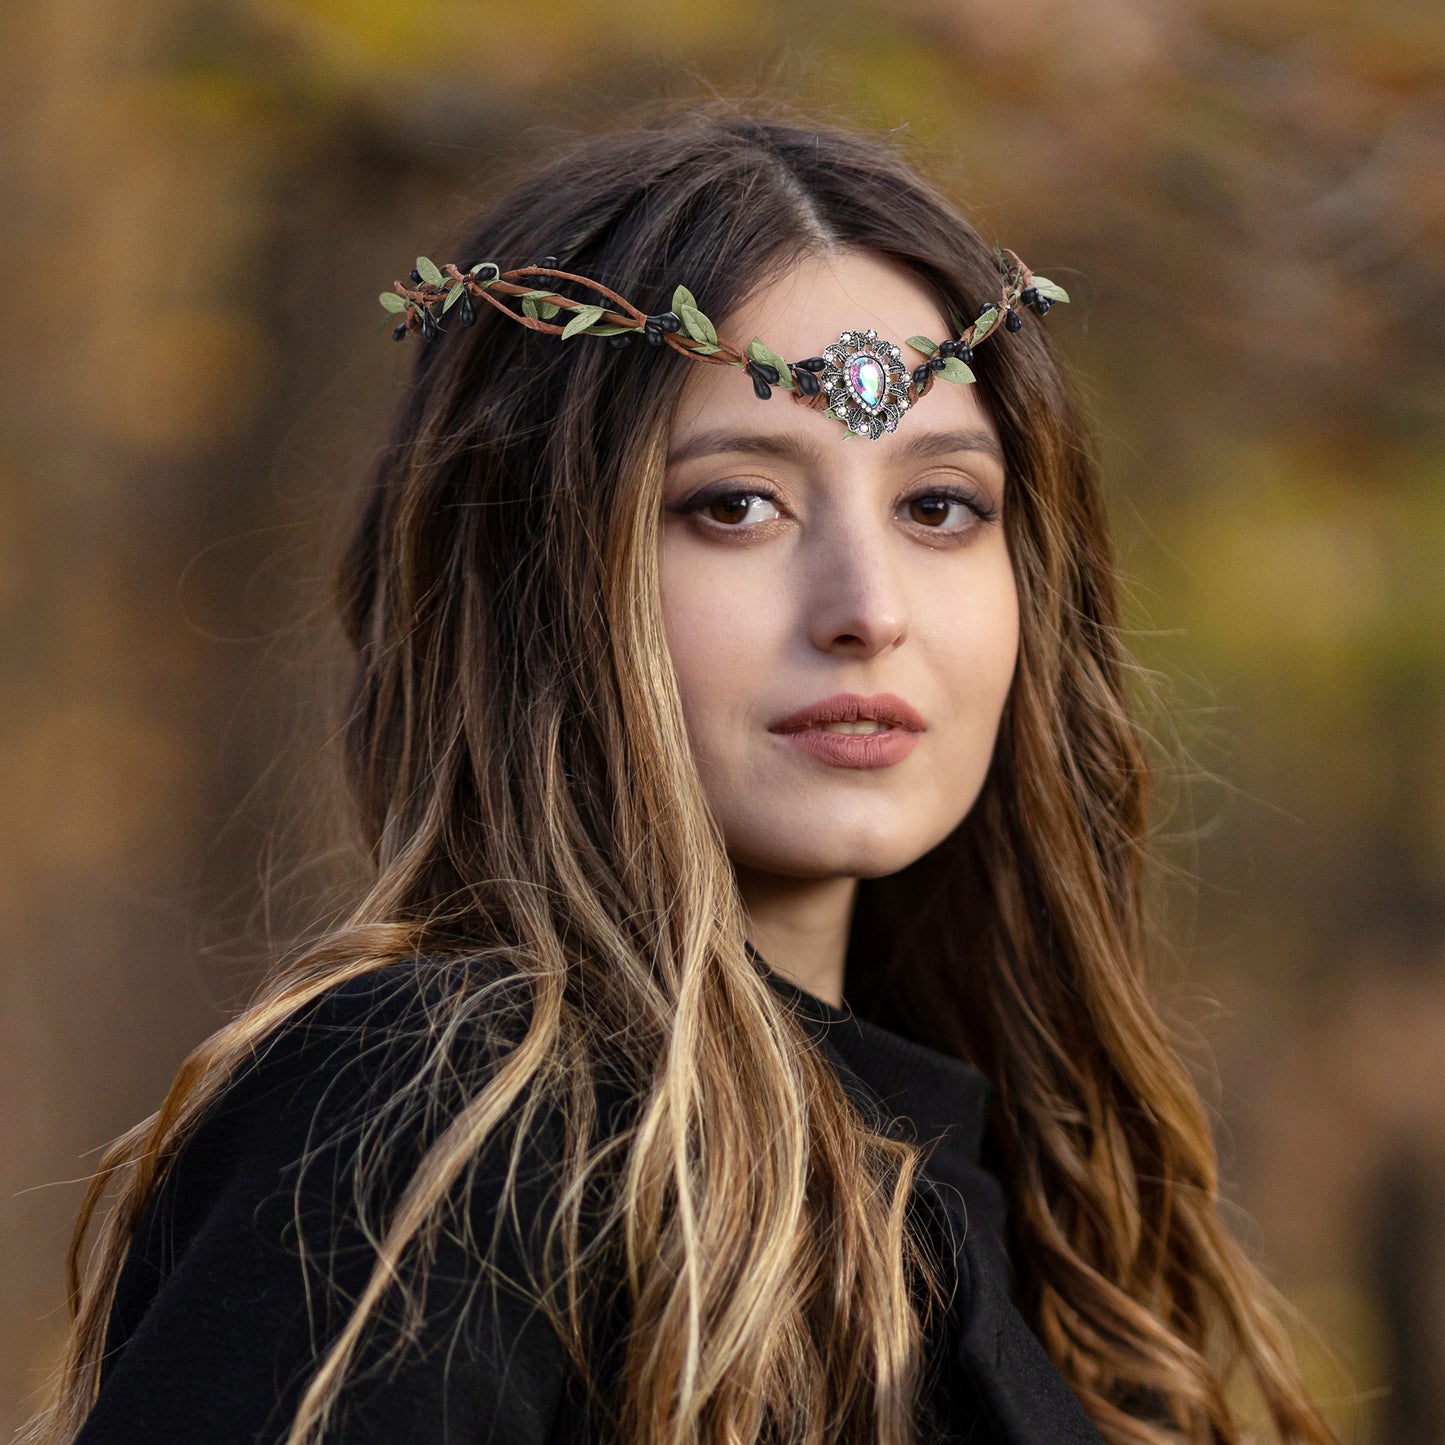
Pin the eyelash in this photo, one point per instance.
(987, 512)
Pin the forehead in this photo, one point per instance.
(820, 295)
(797, 315)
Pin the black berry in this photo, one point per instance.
(808, 384)
(936, 363)
(760, 388)
(669, 321)
(653, 332)
(964, 352)
(399, 334)
(920, 374)
(987, 306)
(948, 348)
(1042, 305)
(762, 369)
(1029, 295)
(623, 338)
(415, 276)
(813, 363)
(466, 312)
(1013, 321)
(428, 325)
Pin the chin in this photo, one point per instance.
(819, 854)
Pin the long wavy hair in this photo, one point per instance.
(521, 773)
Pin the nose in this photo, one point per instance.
(855, 595)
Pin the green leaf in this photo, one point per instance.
(392, 302)
(490, 267)
(683, 297)
(760, 351)
(923, 344)
(985, 324)
(694, 322)
(454, 295)
(958, 322)
(608, 329)
(955, 371)
(706, 348)
(1049, 289)
(429, 272)
(831, 414)
(582, 318)
(537, 309)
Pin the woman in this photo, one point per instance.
(695, 1067)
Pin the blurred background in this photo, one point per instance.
(1246, 200)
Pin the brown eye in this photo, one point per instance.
(729, 509)
(930, 510)
(950, 509)
(732, 511)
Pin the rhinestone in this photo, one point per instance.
(866, 379)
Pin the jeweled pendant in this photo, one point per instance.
(866, 383)
(865, 380)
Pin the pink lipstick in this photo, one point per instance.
(808, 729)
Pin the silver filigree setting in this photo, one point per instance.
(865, 382)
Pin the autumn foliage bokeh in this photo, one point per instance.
(1247, 204)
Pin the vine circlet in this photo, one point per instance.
(859, 380)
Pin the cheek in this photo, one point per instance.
(1000, 660)
(690, 642)
(710, 641)
(976, 627)
(1002, 647)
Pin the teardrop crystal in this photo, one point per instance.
(865, 378)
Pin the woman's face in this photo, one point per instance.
(797, 566)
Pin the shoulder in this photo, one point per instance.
(343, 1097)
(428, 1030)
(369, 1073)
(262, 1235)
(375, 1023)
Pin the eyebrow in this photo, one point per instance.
(790, 448)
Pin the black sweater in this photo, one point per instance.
(246, 1261)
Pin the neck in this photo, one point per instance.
(800, 926)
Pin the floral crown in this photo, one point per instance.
(860, 380)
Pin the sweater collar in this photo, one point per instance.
(1000, 1384)
(941, 1095)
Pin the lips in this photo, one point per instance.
(884, 707)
